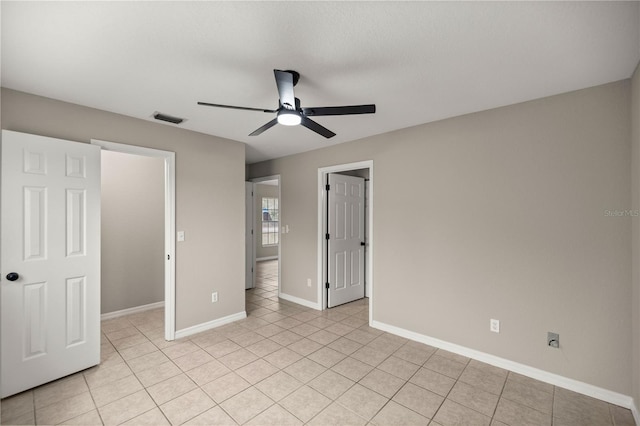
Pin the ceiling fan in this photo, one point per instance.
(290, 113)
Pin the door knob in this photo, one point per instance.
(362, 243)
(12, 276)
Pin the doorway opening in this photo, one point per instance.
(363, 169)
(264, 255)
(168, 159)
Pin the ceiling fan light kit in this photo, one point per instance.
(289, 112)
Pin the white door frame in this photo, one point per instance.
(169, 224)
(258, 180)
(322, 216)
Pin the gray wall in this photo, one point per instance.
(635, 161)
(263, 191)
(209, 185)
(497, 214)
(132, 222)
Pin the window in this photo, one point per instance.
(270, 219)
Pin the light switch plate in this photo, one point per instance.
(180, 235)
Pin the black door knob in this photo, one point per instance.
(12, 276)
(362, 243)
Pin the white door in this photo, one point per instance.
(249, 255)
(345, 225)
(50, 259)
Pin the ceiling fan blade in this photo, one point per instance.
(312, 125)
(284, 81)
(237, 107)
(340, 110)
(265, 127)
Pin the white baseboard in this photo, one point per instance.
(209, 325)
(300, 301)
(260, 259)
(535, 373)
(134, 310)
(634, 411)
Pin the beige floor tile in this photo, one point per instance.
(193, 360)
(90, 418)
(223, 348)
(398, 367)
(157, 374)
(264, 347)
(513, 413)
(28, 418)
(454, 357)
(446, 366)
(147, 361)
(418, 399)
(256, 371)
(305, 370)
(105, 394)
(345, 346)
(360, 336)
(327, 357)
(187, 406)
(454, 414)
(206, 340)
(276, 416)
(225, 387)
(128, 342)
(383, 383)
(110, 359)
(278, 385)
(153, 417)
(529, 382)
(372, 356)
(621, 416)
(207, 372)
(247, 338)
(529, 396)
(474, 398)
(435, 382)
(569, 405)
(336, 414)
(269, 330)
(65, 409)
(484, 380)
(138, 350)
(171, 388)
(246, 405)
(394, 414)
(121, 333)
(59, 390)
(283, 358)
(323, 337)
(491, 369)
(212, 417)
(305, 329)
(305, 347)
(99, 376)
(17, 406)
(126, 408)
(331, 384)
(415, 355)
(352, 368)
(238, 359)
(340, 329)
(305, 403)
(180, 349)
(362, 401)
(286, 338)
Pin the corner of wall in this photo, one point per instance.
(635, 239)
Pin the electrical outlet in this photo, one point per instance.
(214, 297)
(494, 325)
(308, 282)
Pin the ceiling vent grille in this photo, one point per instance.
(168, 118)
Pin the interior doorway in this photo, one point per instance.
(168, 254)
(363, 169)
(266, 230)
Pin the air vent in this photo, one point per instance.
(164, 117)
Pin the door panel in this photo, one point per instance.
(345, 223)
(50, 230)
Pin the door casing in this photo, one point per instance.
(255, 225)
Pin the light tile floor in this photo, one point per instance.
(288, 365)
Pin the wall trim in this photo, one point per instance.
(134, 310)
(299, 301)
(634, 411)
(260, 259)
(189, 331)
(535, 373)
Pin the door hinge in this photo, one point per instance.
(328, 187)
(326, 285)
(252, 232)
(168, 257)
(326, 236)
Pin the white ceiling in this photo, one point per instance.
(417, 61)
